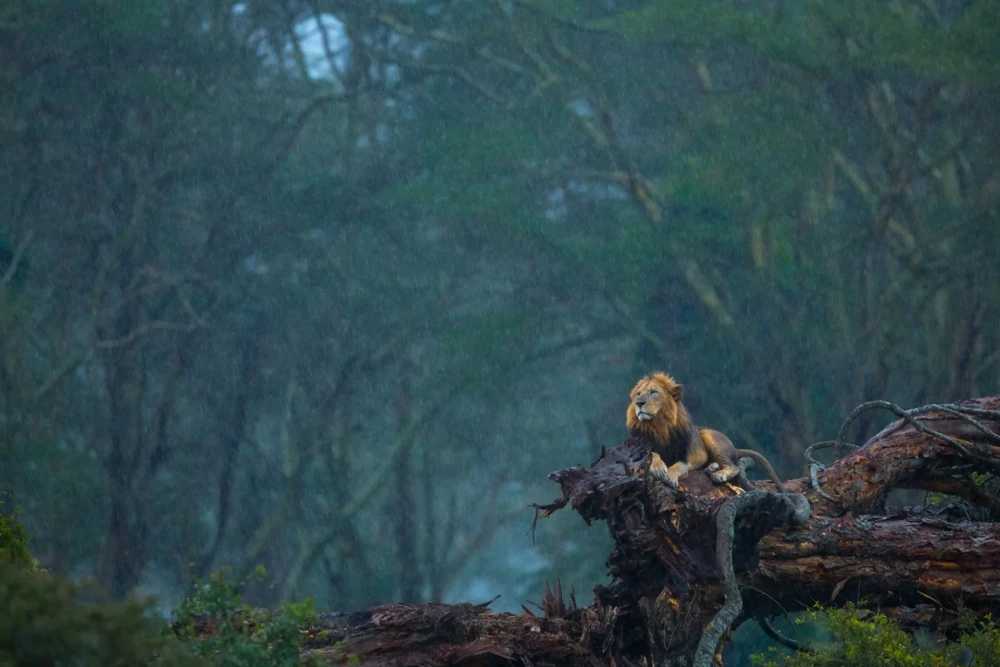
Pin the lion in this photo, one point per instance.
(657, 414)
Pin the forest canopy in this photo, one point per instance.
(330, 287)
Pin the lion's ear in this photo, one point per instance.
(677, 392)
(674, 390)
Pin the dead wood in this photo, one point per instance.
(945, 555)
(460, 634)
(690, 565)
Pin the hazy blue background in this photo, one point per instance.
(332, 285)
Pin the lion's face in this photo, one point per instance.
(656, 397)
(648, 399)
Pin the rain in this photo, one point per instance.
(303, 301)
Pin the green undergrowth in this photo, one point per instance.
(243, 636)
(862, 638)
(14, 541)
(47, 620)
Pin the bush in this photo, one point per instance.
(242, 636)
(44, 621)
(14, 542)
(865, 639)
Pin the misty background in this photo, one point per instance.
(330, 286)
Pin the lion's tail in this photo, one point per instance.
(759, 458)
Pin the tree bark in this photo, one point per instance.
(692, 564)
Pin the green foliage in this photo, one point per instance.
(14, 542)
(449, 211)
(982, 640)
(863, 638)
(244, 636)
(897, 37)
(44, 622)
(884, 35)
(717, 22)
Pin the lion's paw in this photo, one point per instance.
(661, 474)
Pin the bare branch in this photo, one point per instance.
(22, 246)
(143, 330)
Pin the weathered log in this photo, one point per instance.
(461, 634)
(850, 549)
(709, 557)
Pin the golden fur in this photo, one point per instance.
(657, 414)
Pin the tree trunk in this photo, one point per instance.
(124, 554)
(403, 502)
(690, 565)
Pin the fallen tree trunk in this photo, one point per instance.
(938, 556)
(689, 565)
(460, 634)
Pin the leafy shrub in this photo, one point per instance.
(981, 640)
(14, 542)
(866, 639)
(43, 622)
(241, 635)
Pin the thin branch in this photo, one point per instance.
(460, 73)
(909, 417)
(298, 124)
(327, 47)
(446, 38)
(22, 246)
(773, 633)
(142, 330)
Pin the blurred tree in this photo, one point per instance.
(794, 173)
(329, 286)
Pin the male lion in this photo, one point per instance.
(656, 413)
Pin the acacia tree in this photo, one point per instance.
(792, 174)
(148, 150)
(193, 324)
(231, 229)
(107, 163)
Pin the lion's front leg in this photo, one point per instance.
(675, 472)
(657, 468)
(670, 476)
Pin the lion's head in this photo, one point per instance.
(656, 408)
